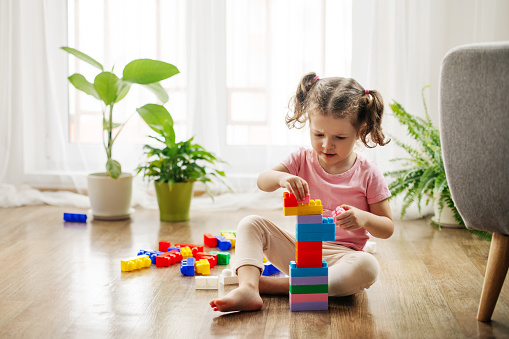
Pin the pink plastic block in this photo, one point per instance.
(313, 297)
(338, 211)
(305, 201)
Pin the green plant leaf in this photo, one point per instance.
(159, 91)
(83, 56)
(113, 168)
(82, 84)
(107, 86)
(123, 89)
(106, 125)
(155, 116)
(146, 71)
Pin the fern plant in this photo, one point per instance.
(423, 174)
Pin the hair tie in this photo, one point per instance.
(366, 91)
(316, 78)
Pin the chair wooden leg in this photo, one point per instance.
(496, 270)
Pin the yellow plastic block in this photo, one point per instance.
(202, 267)
(264, 260)
(186, 252)
(314, 207)
(229, 236)
(132, 264)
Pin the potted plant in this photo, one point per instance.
(423, 172)
(175, 166)
(110, 191)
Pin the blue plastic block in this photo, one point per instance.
(309, 272)
(187, 267)
(73, 217)
(173, 249)
(325, 227)
(222, 243)
(306, 237)
(269, 269)
(152, 254)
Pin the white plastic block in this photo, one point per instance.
(205, 283)
(370, 247)
(228, 278)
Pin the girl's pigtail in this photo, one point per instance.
(372, 127)
(297, 117)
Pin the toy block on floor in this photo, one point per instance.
(223, 258)
(168, 258)
(228, 278)
(75, 217)
(209, 240)
(202, 267)
(222, 243)
(164, 245)
(231, 237)
(205, 283)
(232, 232)
(269, 269)
(314, 207)
(199, 248)
(151, 253)
(187, 267)
(135, 263)
(211, 257)
(186, 252)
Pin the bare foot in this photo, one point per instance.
(274, 285)
(240, 299)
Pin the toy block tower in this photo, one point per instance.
(309, 274)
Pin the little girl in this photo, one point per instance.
(339, 112)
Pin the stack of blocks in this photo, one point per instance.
(309, 274)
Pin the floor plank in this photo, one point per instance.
(63, 280)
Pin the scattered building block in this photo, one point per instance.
(265, 259)
(186, 252)
(211, 257)
(222, 243)
(223, 258)
(75, 217)
(205, 283)
(209, 240)
(135, 263)
(232, 232)
(269, 269)
(173, 249)
(228, 278)
(231, 237)
(370, 247)
(168, 258)
(187, 267)
(314, 207)
(151, 253)
(164, 245)
(199, 248)
(202, 267)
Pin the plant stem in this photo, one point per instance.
(110, 132)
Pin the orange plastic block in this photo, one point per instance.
(202, 267)
(211, 257)
(209, 240)
(163, 246)
(314, 207)
(289, 200)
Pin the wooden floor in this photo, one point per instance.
(64, 280)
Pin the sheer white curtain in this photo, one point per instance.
(396, 47)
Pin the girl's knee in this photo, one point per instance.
(249, 222)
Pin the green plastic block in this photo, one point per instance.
(308, 289)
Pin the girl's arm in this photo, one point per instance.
(378, 221)
(272, 179)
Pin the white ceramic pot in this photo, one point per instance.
(446, 218)
(110, 198)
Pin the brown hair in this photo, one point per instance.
(340, 98)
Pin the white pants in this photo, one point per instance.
(350, 271)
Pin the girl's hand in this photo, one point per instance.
(295, 185)
(351, 220)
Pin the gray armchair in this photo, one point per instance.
(474, 129)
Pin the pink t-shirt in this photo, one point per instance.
(360, 186)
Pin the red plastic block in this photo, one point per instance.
(209, 240)
(289, 200)
(163, 246)
(168, 258)
(308, 254)
(199, 248)
(212, 258)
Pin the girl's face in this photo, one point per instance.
(333, 140)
